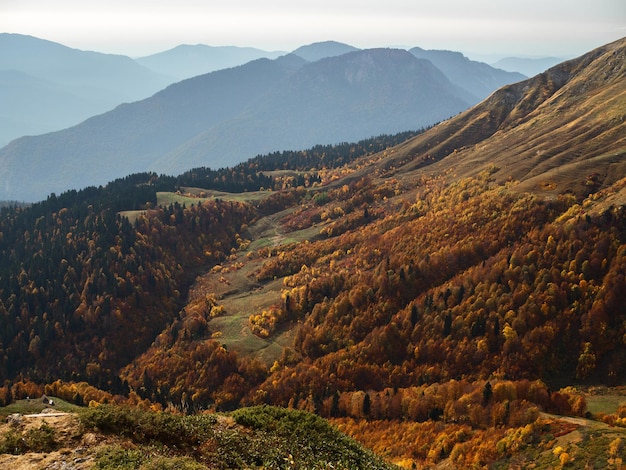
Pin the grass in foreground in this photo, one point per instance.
(258, 437)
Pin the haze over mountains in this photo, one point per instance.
(187, 60)
(45, 86)
(478, 78)
(528, 66)
(344, 98)
(227, 116)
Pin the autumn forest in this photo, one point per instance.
(429, 314)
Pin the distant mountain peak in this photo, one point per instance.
(417, 51)
(321, 50)
(187, 60)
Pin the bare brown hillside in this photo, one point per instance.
(561, 131)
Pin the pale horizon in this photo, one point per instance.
(479, 29)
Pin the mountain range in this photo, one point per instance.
(48, 86)
(186, 61)
(224, 117)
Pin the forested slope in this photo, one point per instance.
(83, 290)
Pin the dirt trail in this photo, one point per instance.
(267, 228)
(45, 415)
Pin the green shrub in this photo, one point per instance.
(271, 437)
(42, 439)
(118, 458)
(287, 438)
(172, 463)
(146, 426)
(321, 198)
(12, 443)
(33, 440)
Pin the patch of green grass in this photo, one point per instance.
(167, 198)
(263, 242)
(132, 216)
(199, 195)
(234, 336)
(249, 196)
(593, 449)
(236, 333)
(607, 404)
(33, 406)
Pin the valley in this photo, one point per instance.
(236, 290)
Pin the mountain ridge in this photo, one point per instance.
(168, 126)
(187, 60)
(322, 50)
(357, 74)
(511, 118)
(234, 92)
(477, 78)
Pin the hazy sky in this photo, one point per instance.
(562, 28)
